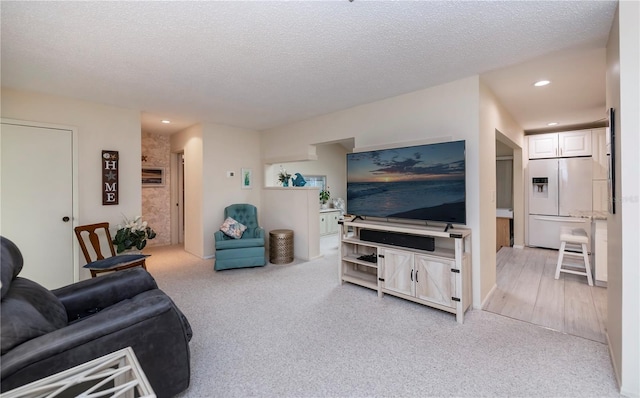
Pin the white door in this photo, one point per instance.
(543, 186)
(36, 199)
(398, 271)
(575, 187)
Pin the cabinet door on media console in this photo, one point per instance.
(435, 282)
(398, 271)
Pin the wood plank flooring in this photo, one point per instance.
(526, 290)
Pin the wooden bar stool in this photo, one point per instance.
(577, 240)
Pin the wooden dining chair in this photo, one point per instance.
(95, 234)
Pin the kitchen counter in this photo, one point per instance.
(592, 215)
(504, 213)
(503, 228)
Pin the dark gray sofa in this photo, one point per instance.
(45, 332)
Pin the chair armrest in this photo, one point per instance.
(218, 236)
(258, 232)
(87, 297)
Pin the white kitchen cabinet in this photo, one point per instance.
(329, 222)
(439, 278)
(560, 145)
(543, 146)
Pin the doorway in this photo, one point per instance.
(177, 198)
(526, 288)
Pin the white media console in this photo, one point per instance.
(436, 274)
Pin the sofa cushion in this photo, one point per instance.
(28, 311)
(232, 228)
(114, 261)
(239, 243)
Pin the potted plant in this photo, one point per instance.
(324, 197)
(133, 234)
(283, 177)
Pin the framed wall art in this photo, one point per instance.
(247, 179)
(153, 176)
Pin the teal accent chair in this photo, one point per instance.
(248, 251)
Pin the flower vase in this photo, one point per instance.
(130, 251)
(285, 183)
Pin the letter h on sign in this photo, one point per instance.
(109, 177)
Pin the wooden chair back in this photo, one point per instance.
(94, 238)
(93, 233)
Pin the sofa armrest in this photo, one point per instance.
(92, 295)
(149, 323)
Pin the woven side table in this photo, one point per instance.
(281, 246)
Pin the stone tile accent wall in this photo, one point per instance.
(156, 201)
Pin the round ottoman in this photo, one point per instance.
(281, 246)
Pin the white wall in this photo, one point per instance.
(494, 117)
(331, 162)
(210, 151)
(294, 208)
(446, 112)
(100, 127)
(228, 149)
(623, 255)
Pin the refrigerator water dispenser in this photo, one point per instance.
(540, 187)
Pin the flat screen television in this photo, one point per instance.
(423, 182)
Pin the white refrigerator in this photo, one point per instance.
(560, 192)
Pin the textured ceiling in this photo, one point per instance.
(263, 64)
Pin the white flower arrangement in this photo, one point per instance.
(133, 233)
(283, 176)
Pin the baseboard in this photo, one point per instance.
(518, 246)
(616, 373)
(484, 302)
(209, 257)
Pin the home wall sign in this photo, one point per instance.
(109, 177)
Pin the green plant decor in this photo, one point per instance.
(325, 195)
(133, 233)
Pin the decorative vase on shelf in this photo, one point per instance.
(324, 206)
(285, 183)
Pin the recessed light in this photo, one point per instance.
(552, 124)
(166, 121)
(541, 83)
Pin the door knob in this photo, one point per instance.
(65, 219)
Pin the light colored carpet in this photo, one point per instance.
(294, 331)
